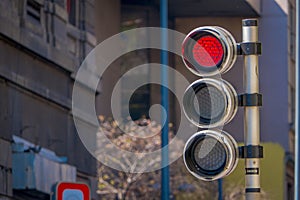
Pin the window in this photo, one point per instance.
(290, 192)
(292, 104)
(292, 26)
(139, 103)
(292, 141)
(61, 3)
(71, 9)
(33, 10)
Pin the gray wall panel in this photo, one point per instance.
(274, 74)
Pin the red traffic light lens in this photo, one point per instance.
(208, 51)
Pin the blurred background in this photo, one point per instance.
(42, 44)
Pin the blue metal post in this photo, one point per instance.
(297, 118)
(220, 188)
(164, 100)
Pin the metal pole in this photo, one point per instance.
(297, 117)
(251, 113)
(164, 100)
(220, 188)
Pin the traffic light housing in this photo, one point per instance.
(210, 102)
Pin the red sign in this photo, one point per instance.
(65, 191)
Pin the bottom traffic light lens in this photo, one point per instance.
(210, 155)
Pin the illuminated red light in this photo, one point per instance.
(208, 51)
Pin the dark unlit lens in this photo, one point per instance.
(210, 154)
(209, 103)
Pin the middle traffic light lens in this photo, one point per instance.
(209, 103)
(208, 51)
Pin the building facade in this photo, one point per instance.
(42, 45)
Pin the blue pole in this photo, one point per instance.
(164, 100)
(297, 118)
(220, 189)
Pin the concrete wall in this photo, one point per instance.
(39, 57)
(273, 34)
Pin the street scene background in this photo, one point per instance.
(43, 44)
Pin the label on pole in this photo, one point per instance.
(72, 191)
(252, 171)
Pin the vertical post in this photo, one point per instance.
(297, 117)
(251, 113)
(164, 100)
(220, 188)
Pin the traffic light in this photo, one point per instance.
(210, 102)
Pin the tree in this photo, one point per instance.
(141, 139)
